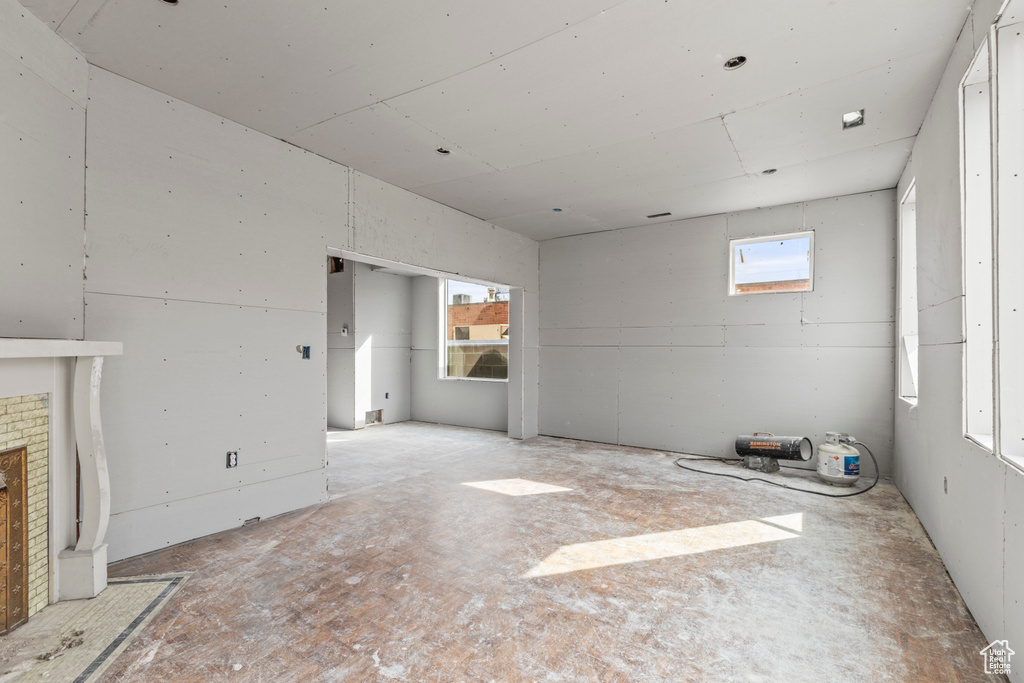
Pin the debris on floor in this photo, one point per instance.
(74, 639)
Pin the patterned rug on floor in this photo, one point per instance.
(76, 640)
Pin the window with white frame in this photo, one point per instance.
(774, 263)
(1009, 291)
(976, 160)
(908, 295)
(475, 331)
(992, 158)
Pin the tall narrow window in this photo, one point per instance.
(1010, 236)
(908, 295)
(977, 246)
(778, 263)
(475, 331)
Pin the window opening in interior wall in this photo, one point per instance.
(775, 263)
(976, 161)
(1009, 244)
(908, 295)
(475, 331)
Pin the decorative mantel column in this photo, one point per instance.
(82, 567)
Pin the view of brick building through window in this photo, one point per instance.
(776, 263)
(783, 286)
(476, 331)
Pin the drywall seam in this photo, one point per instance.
(207, 303)
(350, 227)
(85, 216)
(226, 489)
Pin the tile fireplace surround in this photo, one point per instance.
(50, 394)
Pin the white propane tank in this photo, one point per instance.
(838, 462)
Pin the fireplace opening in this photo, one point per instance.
(13, 539)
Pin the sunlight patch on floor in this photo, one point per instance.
(794, 522)
(516, 487)
(657, 546)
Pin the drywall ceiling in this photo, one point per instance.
(609, 110)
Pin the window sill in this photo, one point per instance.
(983, 440)
(473, 379)
(1014, 461)
(733, 292)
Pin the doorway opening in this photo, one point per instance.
(388, 347)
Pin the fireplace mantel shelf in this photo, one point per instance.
(57, 348)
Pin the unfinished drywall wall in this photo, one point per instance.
(368, 368)
(467, 403)
(391, 223)
(205, 243)
(42, 179)
(383, 330)
(341, 351)
(641, 345)
(968, 500)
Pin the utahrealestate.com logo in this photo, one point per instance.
(997, 657)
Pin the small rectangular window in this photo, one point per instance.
(776, 263)
(475, 331)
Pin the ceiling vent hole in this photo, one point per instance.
(443, 152)
(735, 63)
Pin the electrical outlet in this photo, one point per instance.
(232, 459)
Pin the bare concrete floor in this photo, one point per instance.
(640, 572)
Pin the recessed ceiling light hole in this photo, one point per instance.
(853, 119)
(735, 62)
(443, 152)
(169, 2)
(769, 171)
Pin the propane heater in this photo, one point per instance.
(838, 460)
(763, 450)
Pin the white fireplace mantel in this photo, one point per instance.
(78, 565)
(57, 348)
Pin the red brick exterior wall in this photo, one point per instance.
(782, 286)
(460, 315)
